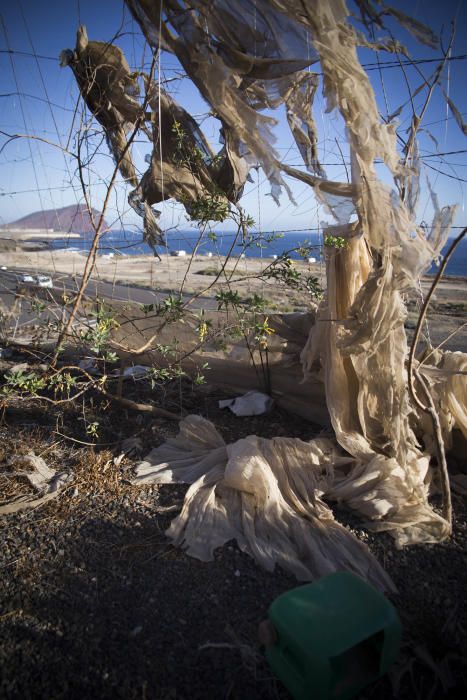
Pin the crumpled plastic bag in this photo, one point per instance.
(136, 371)
(46, 481)
(253, 403)
(89, 365)
(265, 494)
(35, 470)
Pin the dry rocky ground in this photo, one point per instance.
(95, 602)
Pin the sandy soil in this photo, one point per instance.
(169, 273)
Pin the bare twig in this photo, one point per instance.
(84, 442)
(429, 407)
(417, 118)
(128, 403)
(424, 310)
(98, 228)
(443, 342)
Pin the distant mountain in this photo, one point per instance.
(72, 219)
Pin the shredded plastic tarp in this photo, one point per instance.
(253, 403)
(246, 56)
(446, 374)
(265, 494)
(46, 481)
(110, 91)
(182, 164)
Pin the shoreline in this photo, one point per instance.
(25, 234)
(70, 261)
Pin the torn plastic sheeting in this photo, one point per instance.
(89, 364)
(42, 478)
(253, 403)
(110, 91)
(234, 52)
(266, 494)
(363, 356)
(447, 377)
(136, 371)
(173, 171)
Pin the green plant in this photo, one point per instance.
(172, 307)
(211, 206)
(304, 250)
(226, 299)
(199, 378)
(312, 285)
(335, 241)
(98, 337)
(62, 382)
(110, 356)
(147, 308)
(161, 375)
(247, 221)
(283, 270)
(255, 303)
(38, 306)
(262, 332)
(167, 350)
(186, 154)
(23, 382)
(92, 429)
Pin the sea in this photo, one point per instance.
(264, 245)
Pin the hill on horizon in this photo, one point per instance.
(72, 219)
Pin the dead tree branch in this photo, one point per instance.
(429, 407)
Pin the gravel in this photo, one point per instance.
(95, 602)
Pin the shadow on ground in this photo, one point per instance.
(117, 612)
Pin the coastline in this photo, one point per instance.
(24, 234)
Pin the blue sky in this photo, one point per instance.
(36, 176)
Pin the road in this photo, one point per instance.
(95, 289)
(444, 323)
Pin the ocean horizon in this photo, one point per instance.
(126, 242)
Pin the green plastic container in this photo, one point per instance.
(334, 637)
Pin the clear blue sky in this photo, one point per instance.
(35, 176)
